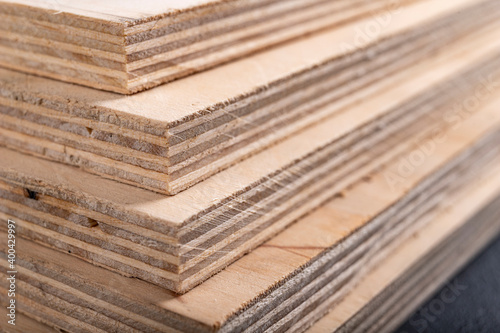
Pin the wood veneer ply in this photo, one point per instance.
(182, 240)
(136, 247)
(388, 294)
(313, 257)
(132, 46)
(172, 137)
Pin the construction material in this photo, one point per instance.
(174, 136)
(314, 257)
(417, 269)
(179, 241)
(132, 46)
(344, 174)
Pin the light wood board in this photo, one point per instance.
(284, 269)
(127, 47)
(392, 291)
(174, 136)
(180, 241)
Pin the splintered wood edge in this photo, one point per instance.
(181, 107)
(454, 217)
(379, 280)
(208, 283)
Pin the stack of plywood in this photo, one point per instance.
(319, 158)
(130, 46)
(171, 137)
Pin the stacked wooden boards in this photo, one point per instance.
(179, 241)
(176, 135)
(127, 47)
(392, 291)
(416, 250)
(294, 277)
(389, 293)
(361, 143)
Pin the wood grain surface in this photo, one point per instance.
(174, 136)
(128, 47)
(179, 241)
(248, 289)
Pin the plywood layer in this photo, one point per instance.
(329, 183)
(66, 209)
(132, 46)
(179, 241)
(392, 291)
(174, 136)
(320, 256)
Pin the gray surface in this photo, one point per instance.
(470, 302)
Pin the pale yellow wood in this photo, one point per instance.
(159, 38)
(168, 139)
(114, 8)
(174, 102)
(404, 258)
(151, 236)
(180, 208)
(123, 232)
(456, 141)
(213, 303)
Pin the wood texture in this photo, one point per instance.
(26, 324)
(345, 174)
(132, 46)
(179, 241)
(174, 136)
(388, 294)
(297, 261)
(49, 229)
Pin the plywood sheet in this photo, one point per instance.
(172, 137)
(120, 246)
(179, 241)
(132, 46)
(251, 288)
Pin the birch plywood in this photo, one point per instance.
(127, 47)
(389, 293)
(172, 137)
(132, 247)
(179, 241)
(296, 261)
(183, 238)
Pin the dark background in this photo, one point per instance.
(469, 303)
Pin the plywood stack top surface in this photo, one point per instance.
(175, 103)
(134, 46)
(124, 12)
